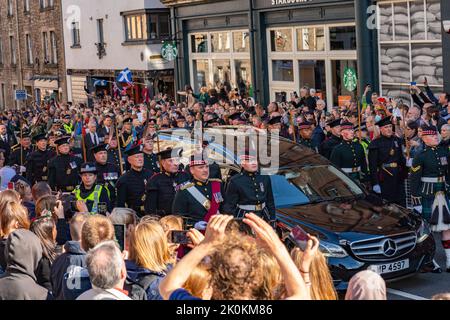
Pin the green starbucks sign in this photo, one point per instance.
(350, 79)
(169, 51)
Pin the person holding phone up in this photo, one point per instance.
(202, 197)
(94, 195)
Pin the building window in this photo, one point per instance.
(3, 96)
(12, 46)
(45, 46)
(76, 41)
(281, 40)
(146, 26)
(10, 8)
(29, 50)
(410, 46)
(221, 59)
(46, 4)
(54, 57)
(1, 51)
(283, 70)
(343, 38)
(312, 74)
(26, 6)
(14, 92)
(342, 94)
(310, 39)
(101, 37)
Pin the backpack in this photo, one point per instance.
(137, 290)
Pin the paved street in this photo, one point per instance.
(423, 285)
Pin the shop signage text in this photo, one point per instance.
(285, 2)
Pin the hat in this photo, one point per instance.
(413, 125)
(429, 130)
(363, 126)
(304, 125)
(197, 159)
(236, 116)
(275, 120)
(88, 167)
(39, 137)
(26, 134)
(212, 121)
(346, 126)
(170, 153)
(100, 147)
(127, 120)
(62, 141)
(334, 123)
(67, 116)
(181, 118)
(137, 149)
(18, 178)
(384, 122)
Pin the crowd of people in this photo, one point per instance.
(91, 206)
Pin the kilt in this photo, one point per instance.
(436, 208)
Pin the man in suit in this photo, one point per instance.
(91, 140)
(6, 140)
(106, 129)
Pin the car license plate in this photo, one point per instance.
(390, 267)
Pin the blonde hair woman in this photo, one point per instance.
(318, 274)
(199, 282)
(172, 223)
(149, 257)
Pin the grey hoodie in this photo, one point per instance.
(23, 251)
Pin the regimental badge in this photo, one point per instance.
(73, 164)
(261, 186)
(69, 171)
(444, 161)
(207, 204)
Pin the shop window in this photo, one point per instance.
(340, 93)
(243, 76)
(199, 43)
(220, 42)
(343, 38)
(241, 41)
(201, 74)
(221, 73)
(281, 40)
(312, 75)
(283, 70)
(310, 39)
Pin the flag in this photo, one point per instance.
(100, 83)
(116, 90)
(125, 76)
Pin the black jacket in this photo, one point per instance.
(74, 256)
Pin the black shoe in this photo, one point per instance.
(437, 270)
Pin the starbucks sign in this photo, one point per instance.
(169, 51)
(350, 79)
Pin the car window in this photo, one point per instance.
(285, 193)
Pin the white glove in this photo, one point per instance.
(376, 188)
(201, 225)
(22, 169)
(418, 209)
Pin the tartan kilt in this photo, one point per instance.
(427, 203)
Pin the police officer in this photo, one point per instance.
(305, 133)
(64, 169)
(429, 176)
(349, 155)
(131, 185)
(67, 125)
(20, 152)
(94, 195)
(362, 136)
(37, 161)
(333, 140)
(150, 159)
(202, 197)
(161, 188)
(386, 161)
(107, 173)
(250, 191)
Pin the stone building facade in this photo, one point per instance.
(31, 51)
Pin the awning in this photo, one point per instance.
(46, 84)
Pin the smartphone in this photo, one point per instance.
(102, 208)
(300, 237)
(73, 206)
(179, 237)
(10, 185)
(120, 233)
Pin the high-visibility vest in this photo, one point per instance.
(94, 196)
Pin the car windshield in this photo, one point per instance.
(312, 184)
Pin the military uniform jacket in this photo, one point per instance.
(249, 189)
(160, 192)
(349, 155)
(384, 150)
(63, 172)
(125, 139)
(37, 165)
(131, 190)
(214, 172)
(14, 157)
(107, 173)
(151, 163)
(432, 162)
(328, 145)
(113, 157)
(185, 204)
(307, 143)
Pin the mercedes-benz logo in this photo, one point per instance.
(389, 248)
